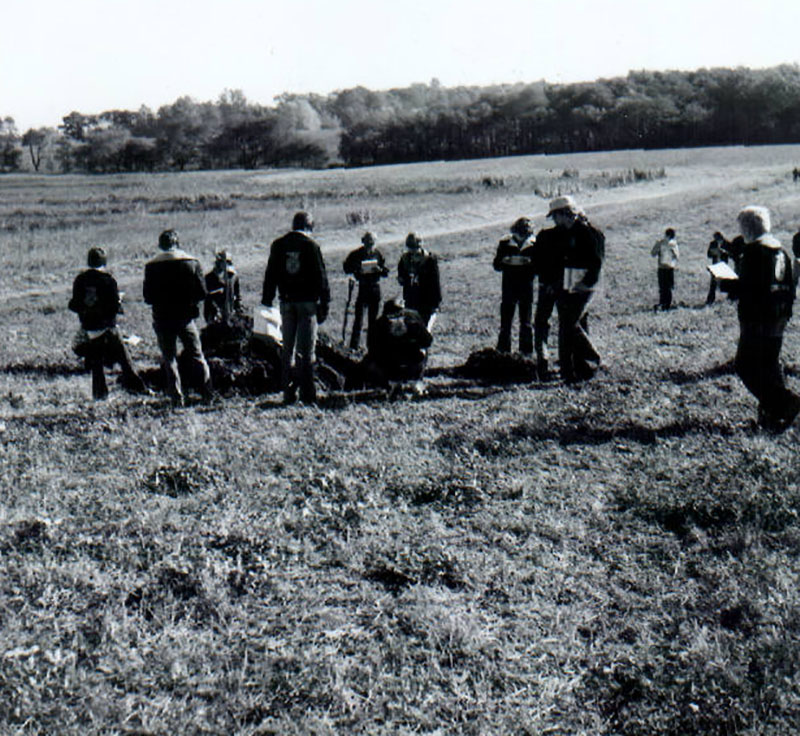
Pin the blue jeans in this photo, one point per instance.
(299, 345)
(168, 333)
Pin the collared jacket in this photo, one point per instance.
(174, 286)
(95, 299)
(296, 270)
(369, 275)
(570, 257)
(515, 261)
(399, 339)
(667, 252)
(766, 283)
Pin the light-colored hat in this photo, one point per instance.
(563, 203)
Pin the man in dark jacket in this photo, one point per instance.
(97, 302)
(766, 294)
(716, 253)
(174, 287)
(418, 274)
(367, 266)
(398, 349)
(223, 294)
(296, 270)
(582, 248)
(513, 260)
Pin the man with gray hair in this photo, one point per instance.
(766, 294)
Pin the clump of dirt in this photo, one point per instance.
(495, 367)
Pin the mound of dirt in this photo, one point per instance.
(491, 366)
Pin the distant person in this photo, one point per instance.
(418, 274)
(97, 302)
(398, 350)
(296, 270)
(734, 249)
(367, 266)
(667, 252)
(174, 287)
(223, 294)
(582, 250)
(716, 253)
(766, 296)
(513, 259)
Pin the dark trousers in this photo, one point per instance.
(576, 354)
(545, 303)
(712, 291)
(508, 306)
(109, 349)
(370, 303)
(758, 365)
(666, 283)
(299, 350)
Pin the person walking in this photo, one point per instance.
(97, 302)
(582, 249)
(513, 259)
(174, 287)
(418, 274)
(296, 271)
(367, 266)
(667, 252)
(766, 295)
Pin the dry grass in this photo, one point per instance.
(618, 559)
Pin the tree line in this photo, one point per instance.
(358, 126)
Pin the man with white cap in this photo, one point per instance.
(766, 294)
(572, 250)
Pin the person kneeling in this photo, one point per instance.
(398, 349)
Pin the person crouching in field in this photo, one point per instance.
(766, 294)
(367, 266)
(174, 287)
(581, 247)
(296, 270)
(666, 250)
(514, 260)
(96, 300)
(398, 348)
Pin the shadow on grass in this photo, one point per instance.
(503, 442)
(43, 369)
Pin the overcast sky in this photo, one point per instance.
(93, 55)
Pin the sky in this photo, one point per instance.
(96, 55)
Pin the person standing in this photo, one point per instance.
(514, 260)
(367, 266)
(667, 252)
(296, 270)
(418, 274)
(716, 253)
(223, 293)
(766, 295)
(174, 287)
(582, 250)
(97, 302)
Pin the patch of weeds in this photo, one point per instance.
(27, 535)
(426, 565)
(176, 481)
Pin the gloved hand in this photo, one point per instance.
(322, 313)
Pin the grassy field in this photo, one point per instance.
(620, 558)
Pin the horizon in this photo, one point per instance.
(83, 58)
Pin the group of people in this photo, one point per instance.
(565, 258)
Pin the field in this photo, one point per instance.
(618, 558)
